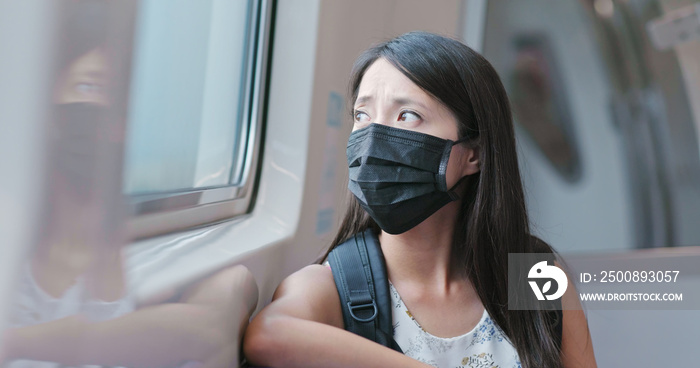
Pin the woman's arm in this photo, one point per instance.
(303, 327)
(205, 326)
(157, 336)
(577, 347)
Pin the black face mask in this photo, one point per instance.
(399, 176)
(78, 135)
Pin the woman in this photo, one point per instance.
(445, 233)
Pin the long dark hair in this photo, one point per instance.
(493, 218)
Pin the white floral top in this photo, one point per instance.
(485, 346)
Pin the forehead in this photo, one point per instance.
(383, 77)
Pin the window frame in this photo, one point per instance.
(165, 212)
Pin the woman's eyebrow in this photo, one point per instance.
(408, 101)
(363, 99)
(398, 101)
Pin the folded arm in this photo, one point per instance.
(205, 326)
(303, 327)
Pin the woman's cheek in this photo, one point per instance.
(456, 166)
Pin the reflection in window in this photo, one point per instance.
(540, 106)
(186, 127)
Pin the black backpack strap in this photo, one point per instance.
(360, 276)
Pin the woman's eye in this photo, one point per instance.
(361, 116)
(88, 88)
(409, 116)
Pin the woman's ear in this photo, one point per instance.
(464, 161)
(471, 160)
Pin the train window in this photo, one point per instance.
(194, 122)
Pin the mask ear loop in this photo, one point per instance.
(461, 140)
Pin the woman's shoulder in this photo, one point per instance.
(315, 276)
(310, 293)
(538, 245)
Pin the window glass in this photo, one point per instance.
(187, 128)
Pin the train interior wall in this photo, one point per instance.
(593, 216)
